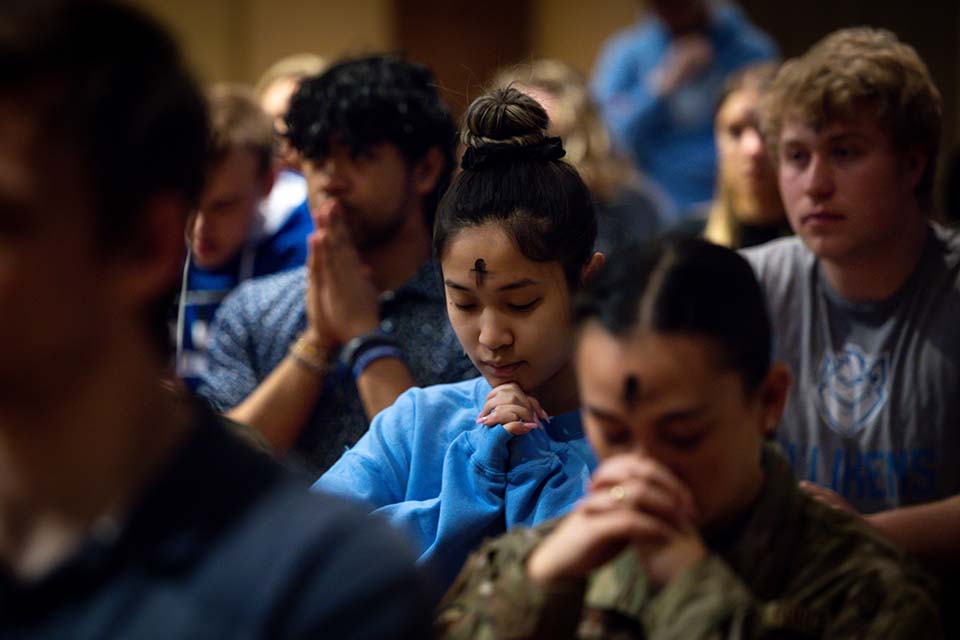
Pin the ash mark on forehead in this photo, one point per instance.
(631, 390)
(480, 271)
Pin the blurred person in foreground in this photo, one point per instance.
(127, 511)
(692, 526)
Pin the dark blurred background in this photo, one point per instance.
(466, 40)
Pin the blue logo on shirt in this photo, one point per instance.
(851, 389)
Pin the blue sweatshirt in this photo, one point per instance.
(449, 482)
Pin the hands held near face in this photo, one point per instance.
(631, 500)
(341, 300)
(509, 406)
(688, 55)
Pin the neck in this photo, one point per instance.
(395, 261)
(558, 394)
(83, 454)
(878, 274)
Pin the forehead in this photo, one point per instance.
(864, 123)
(502, 260)
(238, 168)
(666, 365)
(738, 105)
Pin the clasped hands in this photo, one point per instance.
(341, 300)
(632, 500)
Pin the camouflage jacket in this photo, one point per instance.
(792, 568)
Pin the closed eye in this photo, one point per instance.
(528, 306)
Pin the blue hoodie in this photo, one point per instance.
(449, 482)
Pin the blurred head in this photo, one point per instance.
(514, 236)
(101, 158)
(855, 128)
(375, 136)
(274, 90)
(575, 118)
(681, 16)
(239, 176)
(747, 190)
(673, 362)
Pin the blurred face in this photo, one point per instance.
(684, 411)
(848, 193)
(228, 209)
(746, 172)
(510, 313)
(374, 190)
(57, 291)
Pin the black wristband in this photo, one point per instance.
(356, 347)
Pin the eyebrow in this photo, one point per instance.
(519, 284)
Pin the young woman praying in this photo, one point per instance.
(454, 464)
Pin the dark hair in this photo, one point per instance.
(513, 176)
(684, 285)
(368, 101)
(108, 85)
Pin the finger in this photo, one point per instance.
(322, 212)
(507, 413)
(628, 526)
(538, 409)
(623, 468)
(503, 398)
(519, 428)
(641, 496)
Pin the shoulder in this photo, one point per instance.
(845, 545)
(734, 29)
(779, 260)
(442, 399)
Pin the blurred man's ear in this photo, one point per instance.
(427, 171)
(773, 396)
(152, 262)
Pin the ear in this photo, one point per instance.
(914, 163)
(773, 396)
(596, 262)
(427, 171)
(153, 261)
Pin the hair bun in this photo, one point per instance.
(507, 125)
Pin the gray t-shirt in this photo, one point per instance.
(874, 411)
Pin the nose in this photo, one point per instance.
(495, 332)
(337, 177)
(752, 142)
(819, 178)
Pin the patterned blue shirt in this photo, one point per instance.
(256, 324)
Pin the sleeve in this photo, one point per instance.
(376, 469)
(446, 520)
(492, 597)
(710, 601)
(231, 374)
(631, 111)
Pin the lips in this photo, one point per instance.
(821, 218)
(502, 369)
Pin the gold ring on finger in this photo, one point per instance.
(618, 493)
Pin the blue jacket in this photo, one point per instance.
(671, 137)
(280, 249)
(449, 482)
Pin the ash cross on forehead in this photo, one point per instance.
(480, 271)
(631, 390)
